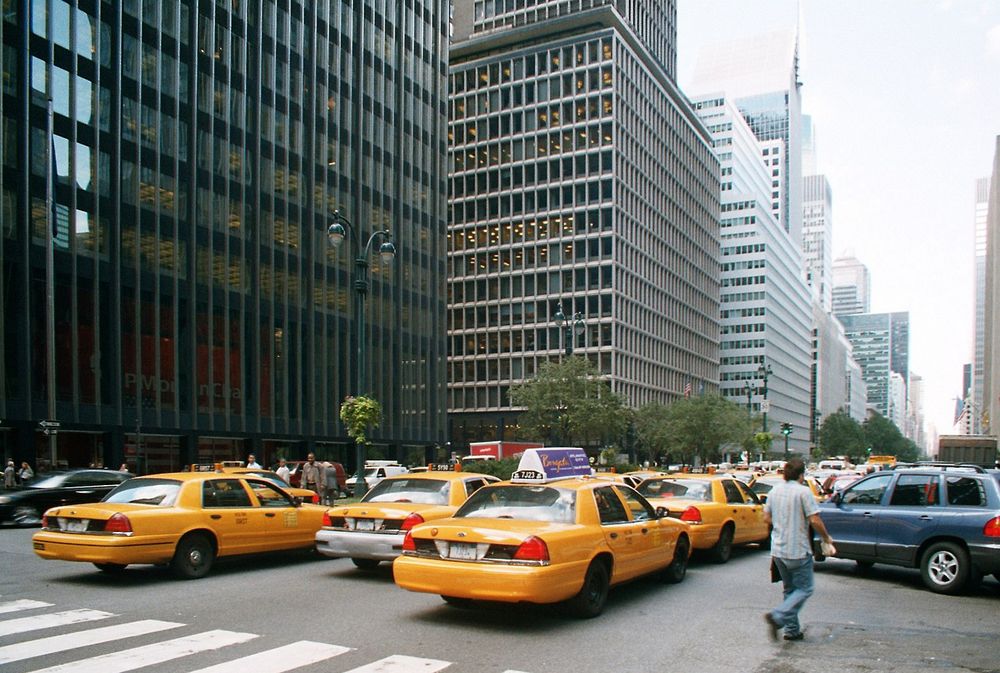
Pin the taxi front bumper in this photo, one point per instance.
(359, 544)
(103, 548)
(490, 581)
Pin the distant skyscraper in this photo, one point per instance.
(881, 343)
(809, 149)
(761, 74)
(991, 315)
(766, 314)
(817, 235)
(582, 180)
(851, 292)
(976, 393)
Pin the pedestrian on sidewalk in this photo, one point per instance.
(791, 509)
(9, 475)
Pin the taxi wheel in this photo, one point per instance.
(110, 568)
(365, 563)
(675, 572)
(945, 568)
(723, 549)
(193, 557)
(594, 594)
(457, 602)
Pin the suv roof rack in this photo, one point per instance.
(964, 467)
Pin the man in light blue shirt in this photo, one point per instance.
(790, 510)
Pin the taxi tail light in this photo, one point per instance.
(692, 515)
(314, 499)
(326, 519)
(411, 521)
(45, 521)
(991, 529)
(118, 523)
(408, 543)
(532, 549)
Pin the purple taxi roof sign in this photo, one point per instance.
(540, 465)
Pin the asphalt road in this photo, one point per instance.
(880, 621)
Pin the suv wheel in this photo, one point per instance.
(945, 568)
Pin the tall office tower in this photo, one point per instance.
(857, 405)
(976, 393)
(851, 291)
(881, 343)
(580, 180)
(817, 236)
(809, 149)
(991, 314)
(761, 74)
(766, 310)
(200, 150)
(833, 364)
(915, 406)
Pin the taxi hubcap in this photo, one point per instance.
(195, 556)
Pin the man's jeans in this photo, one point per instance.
(797, 578)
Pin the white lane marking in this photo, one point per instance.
(157, 653)
(280, 659)
(71, 641)
(400, 663)
(24, 604)
(23, 624)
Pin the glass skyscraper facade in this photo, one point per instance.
(199, 151)
(581, 179)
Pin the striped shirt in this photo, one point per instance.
(790, 505)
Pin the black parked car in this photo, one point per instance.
(944, 520)
(26, 506)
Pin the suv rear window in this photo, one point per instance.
(965, 491)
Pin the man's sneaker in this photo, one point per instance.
(795, 636)
(772, 626)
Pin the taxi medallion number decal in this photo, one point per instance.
(291, 519)
(528, 475)
(241, 518)
(462, 551)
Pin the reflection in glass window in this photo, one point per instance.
(60, 91)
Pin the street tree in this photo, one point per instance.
(358, 414)
(841, 435)
(884, 438)
(694, 426)
(569, 403)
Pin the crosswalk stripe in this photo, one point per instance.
(148, 655)
(22, 624)
(71, 641)
(400, 663)
(280, 659)
(24, 604)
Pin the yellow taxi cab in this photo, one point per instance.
(721, 510)
(185, 519)
(305, 494)
(551, 534)
(762, 486)
(372, 530)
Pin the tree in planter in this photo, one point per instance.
(764, 441)
(358, 414)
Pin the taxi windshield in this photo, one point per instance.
(424, 491)
(162, 492)
(532, 503)
(689, 489)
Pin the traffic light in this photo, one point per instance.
(786, 429)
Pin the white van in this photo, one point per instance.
(833, 464)
(376, 471)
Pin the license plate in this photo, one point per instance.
(75, 525)
(364, 524)
(39, 545)
(462, 551)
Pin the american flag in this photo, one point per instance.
(687, 389)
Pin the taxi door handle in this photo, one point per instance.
(269, 515)
(614, 536)
(645, 530)
(868, 515)
(215, 516)
(924, 517)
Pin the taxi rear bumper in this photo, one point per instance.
(490, 581)
(704, 535)
(102, 549)
(359, 544)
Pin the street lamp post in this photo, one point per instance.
(764, 372)
(573, 327)
(750, 389)
(336, 234)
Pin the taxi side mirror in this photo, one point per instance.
(836, 497)
(662, 512)
(296, 501)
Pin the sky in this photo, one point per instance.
(905, 101)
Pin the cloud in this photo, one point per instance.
(993, 41)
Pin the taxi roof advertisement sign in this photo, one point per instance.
(552, 463)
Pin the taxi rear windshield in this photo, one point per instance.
(424, 491)
(531, 503)
(689, 489)
(162, 492)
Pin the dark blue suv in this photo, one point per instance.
(944, 520)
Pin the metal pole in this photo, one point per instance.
(360, 294)
(786, 446)
(50, 304)
(569, 339)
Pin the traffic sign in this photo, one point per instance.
(765, 406)
(49, 424)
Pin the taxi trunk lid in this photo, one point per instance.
(480, 539)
